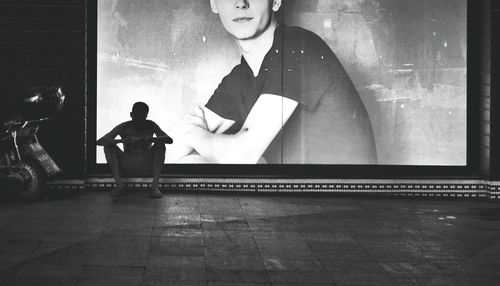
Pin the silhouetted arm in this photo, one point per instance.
(109, 138)
(162, 137)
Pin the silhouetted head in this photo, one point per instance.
(139, 111)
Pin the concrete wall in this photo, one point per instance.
(491, 73)
(485, 100)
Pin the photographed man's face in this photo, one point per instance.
(245, 19)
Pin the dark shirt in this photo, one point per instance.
(330, 124)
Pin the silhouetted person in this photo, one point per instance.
(289, 101)
(140, 156)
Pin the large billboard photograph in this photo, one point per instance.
(308, 82)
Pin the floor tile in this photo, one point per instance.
(230, 275)
(191, 239)
(175, 274)
(301, 264)
(169, 261)
(49, 271)
(115, 272)
(235, 263)
(108, 281)
(300, 277)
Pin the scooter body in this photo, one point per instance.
(23, 160)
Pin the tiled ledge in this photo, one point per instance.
(407, 187)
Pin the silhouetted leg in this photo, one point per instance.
(112, 153)
(157, 165)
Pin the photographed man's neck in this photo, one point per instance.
(254, 50)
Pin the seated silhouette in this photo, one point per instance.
(142, 156)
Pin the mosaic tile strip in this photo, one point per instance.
(407, 188)
(76, 185)
(494, 192)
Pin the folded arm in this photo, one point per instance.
(263, 123)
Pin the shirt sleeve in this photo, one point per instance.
(222, 100)
(304, 69)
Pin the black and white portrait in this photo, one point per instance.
(339, 82)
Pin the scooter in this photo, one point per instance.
(24, 163)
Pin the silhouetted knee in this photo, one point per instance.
(112, 155)
(159, 148)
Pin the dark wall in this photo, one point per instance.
(485, 74)
(491, 86)
(42, 43)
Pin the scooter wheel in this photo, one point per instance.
(33, 181)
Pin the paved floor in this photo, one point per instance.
(239, 239)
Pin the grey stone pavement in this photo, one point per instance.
(191, 239)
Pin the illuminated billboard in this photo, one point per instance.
(340, 82)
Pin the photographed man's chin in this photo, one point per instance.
(244, 32)
(243, 36)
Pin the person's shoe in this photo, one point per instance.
(116, 192)
(155, 193)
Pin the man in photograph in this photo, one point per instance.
(289, 101)
(140, 156)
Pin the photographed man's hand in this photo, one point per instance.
(197, 118)
(196, 126)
